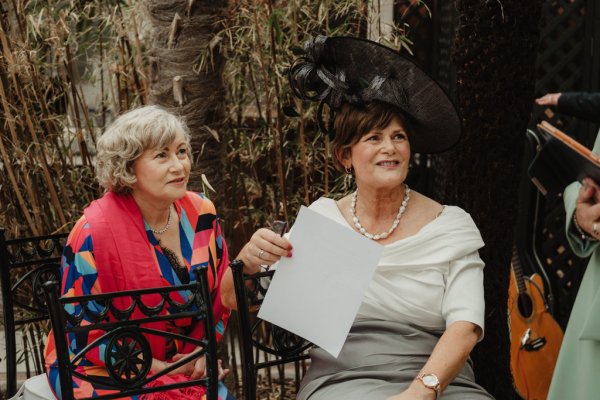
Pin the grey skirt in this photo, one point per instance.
(378, 360)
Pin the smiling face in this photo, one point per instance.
(162, 173)
(380, 158)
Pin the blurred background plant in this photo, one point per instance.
(66, 68)
(277, 160)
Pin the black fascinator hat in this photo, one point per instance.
(345, 69)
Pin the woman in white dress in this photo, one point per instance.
(424, 310)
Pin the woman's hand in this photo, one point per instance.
(550, 99)
(265, 247)
(416, 391)
(195, 369)
(588, 207)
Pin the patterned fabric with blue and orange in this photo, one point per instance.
(202, 244)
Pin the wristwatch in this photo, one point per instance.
(430, 381)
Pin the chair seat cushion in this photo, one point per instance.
(38, 388)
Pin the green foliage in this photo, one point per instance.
(67, 67)
(277, 163)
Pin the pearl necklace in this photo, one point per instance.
(163, 230)
(394, 224)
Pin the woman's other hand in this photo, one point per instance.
(549, 99)
(264, 248)
(195, 369)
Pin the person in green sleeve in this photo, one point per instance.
(578, 366)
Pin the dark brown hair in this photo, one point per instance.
(352, 122)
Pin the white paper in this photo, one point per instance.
(317, 292)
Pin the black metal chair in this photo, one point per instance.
(128, 354)
(25, 264)
(261, 338)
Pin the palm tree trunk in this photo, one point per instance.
(182, 31)
(495, 52)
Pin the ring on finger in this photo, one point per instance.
(595, 229)
(260, 254)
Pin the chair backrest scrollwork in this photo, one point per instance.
(259, 338)
(25, 264)
(125, 324)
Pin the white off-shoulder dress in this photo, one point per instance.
(423, 284)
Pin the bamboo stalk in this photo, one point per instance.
(301, 126)
(116, 104)
(138, 58)
(265, 79)
(38, 153)
(13, 127)
(8, 165)
(278, 136)
(69, 75)
(268, 108)
(27, 172)
(255, 92)
(66, 202)
(134, 72)
(118, 99)
(80, 99)
(102, 94)
(19, 17)
(302, 143)
(124, 75)
(234, 196)
(41, 100)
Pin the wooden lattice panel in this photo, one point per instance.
(562, 62)
(444, 39)
(561, 58)
(564, 269)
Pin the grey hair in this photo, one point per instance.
(125, 140)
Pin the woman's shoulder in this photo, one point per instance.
(457, 212)
(451, 218)
(199, 202)
(459, 219)
(323, 205)
(438, 208)
(322, 201)
(80, 234)
(428, 208)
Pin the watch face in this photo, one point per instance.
(430, 380)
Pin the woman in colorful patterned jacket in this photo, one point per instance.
(146, 231)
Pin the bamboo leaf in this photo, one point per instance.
(206, 184)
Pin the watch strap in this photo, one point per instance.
(435, 388)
